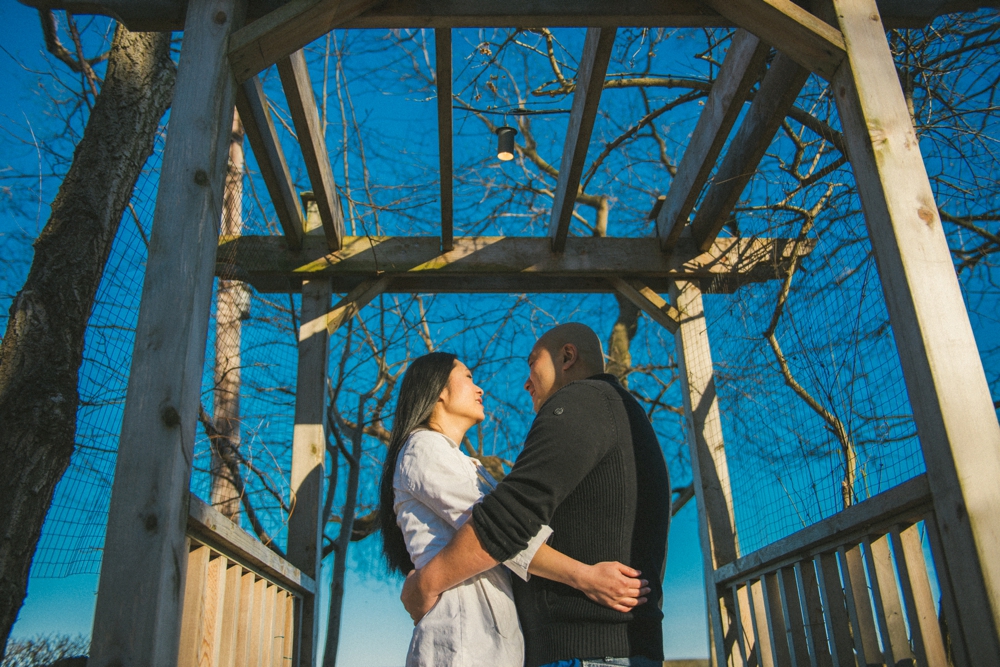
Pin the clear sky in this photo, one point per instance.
(376, 628)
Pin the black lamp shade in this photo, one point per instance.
(505, 142)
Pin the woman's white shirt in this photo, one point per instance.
(436, 486)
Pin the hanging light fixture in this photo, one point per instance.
(505, 142)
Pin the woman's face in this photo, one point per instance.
(461, 397)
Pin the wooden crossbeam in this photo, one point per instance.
(442, 48)
(777, 93)
(259, 127)
(648, 302)
(743, 66)
(586, 99)
(503, 264)
(808, 40)
(161, 15)
(302, 105)
(287, 29)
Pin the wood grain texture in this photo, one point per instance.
(138, 613)
(294, 73)
(952, 406)
(230, 615)
(889, 611)
(208, 526)
(442, 51)
(921, 608)
(838, 624)
(812, 43)
(192, 621)
(266, 146)
(744, 64)
(648, 302)
(778, 90)
(586, 99)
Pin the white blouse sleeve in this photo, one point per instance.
(430, 469)
(518, 563)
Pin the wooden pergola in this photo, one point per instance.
(174, 570)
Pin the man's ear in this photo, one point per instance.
(570, 355)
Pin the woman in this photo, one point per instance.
(427, 492)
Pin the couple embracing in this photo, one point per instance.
(581, 517)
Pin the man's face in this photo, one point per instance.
(543, 376)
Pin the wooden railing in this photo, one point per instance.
(242, 601)
(850, 591)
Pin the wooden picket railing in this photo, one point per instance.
(242, 602)
(850, 591)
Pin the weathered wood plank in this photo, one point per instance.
(138, 614)
(792, 616)
(586, 99)
(808, 40)
(955, 638)
(286, 30)
(775, 612)
(811, 606)
(278, 640)
(161, 15)
(740, 604)
(292, 606)
(244, 618)
(648, 302)
(889, 612)
(208, 526)
(835, 610)
(743, 66)
(856, 598)
(713, 495)
(952, 406)
(213, 624)
(442, 51)
(255, 638)
(761, 630)
(295, 80)
(517, 264)
(266, 146)
(192, 623)
(230, 615)
(909, 500)
(778, 90)
(920, 606)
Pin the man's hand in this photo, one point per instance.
(613, 585)
(415, 599)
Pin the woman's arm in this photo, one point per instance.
(610, 583)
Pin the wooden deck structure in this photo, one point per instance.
(851, 590)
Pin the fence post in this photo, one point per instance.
(952, 407)
(140, 597)
(710, 472)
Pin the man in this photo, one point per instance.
(591, 469)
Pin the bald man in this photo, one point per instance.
(592, 470)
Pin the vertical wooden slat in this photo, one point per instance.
(852, 608)
(955, 639)
(442, 51)
(952, 405)
(862, 602)
(137, 620)
(713, 495)
(256, 639)
(292, 606)
(215, 594)
(776, 614)
(920, 607)
(835, 611)
(267, 625)
(744, 626)
(244, 626)
(794, 626)
(278, 641)
(812, 614)
(230, 616)
(761, 630)
(193, 619)
(889, 612)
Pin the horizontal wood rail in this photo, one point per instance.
(852, 590)
(242, 602)
(503, 264)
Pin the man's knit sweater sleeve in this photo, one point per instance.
(573, 431)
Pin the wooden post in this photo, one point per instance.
(716, 525)
(305, 529)
(952, 407)
(140, 597)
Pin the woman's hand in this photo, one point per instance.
(613, 585)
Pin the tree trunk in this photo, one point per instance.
(622, 333)
(40, 354)
(231, 308)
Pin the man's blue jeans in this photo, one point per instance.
(637, 661)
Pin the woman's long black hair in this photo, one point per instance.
(422, 385)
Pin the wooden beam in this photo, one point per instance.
(648, 302)
(442, 50)
(778, 90)
(163, 15)
(586, 99)
(742, 68)
(302, 105)
(807, 40)
(259, 127)
(952, 406)
(504, 264)
(709, 468)
(288, 29)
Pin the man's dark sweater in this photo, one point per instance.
(591, 469)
